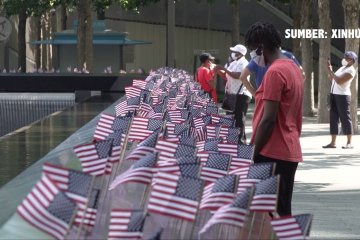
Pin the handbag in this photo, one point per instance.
(229, 101)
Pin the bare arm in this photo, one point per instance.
(266, 126)
(339, 80)
(244, 79)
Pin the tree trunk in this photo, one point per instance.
(100, 14)
(22, 40)
(81, 33)
(89, 38)
(307, 59)
(170, 33)
(63, 17)
(235, 37)
(324, 55)
(44, 47)
(297, 25)
(351, 14)
(37, 47)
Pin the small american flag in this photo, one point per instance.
(144, 109)
(177, 129)
(250, 175)
(222, 192)
(94, 156)
(173, 150)
(75, 184)
(141, 128)
(212, 131)
(132, 91)
(139, 83)
(88, 216)
(292, 227)
(229, 134)
(48, 209)
(211, 109)
(118, 140)
(234, 214)
(183, 169)
(176, 196)
(130, 105)
(243, 158)
(143, 148)
(126, 224)
(187, 140)
(210, 144)
(223, 120)
(104, 126)
(201, 134)
(266, 195)
(216, 166)
(200, 122)
(122, 124)
(141, 172)
(178, 116)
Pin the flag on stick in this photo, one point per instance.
(126, 224)
(292, 227)
(48, 209)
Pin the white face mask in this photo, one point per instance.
(233, 56)
(258, 59)
(344, 62)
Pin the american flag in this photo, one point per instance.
(292, 227)
(223, 120)
(221, 193)
(139, 83)
(132, 91)
(143, 148)
(141, 172)
(210, 144)
(75, 184)
(243, 158)
(200, 122)
(201, 134)
(108, 124)
(266, 195)
(176, 196)
(211, 109)
(187, 140)
(130, 105)
(177, 129)
(177, 116)
(250, 175)
(126, 224)
(212, 131)
(216, 166)
(48, 209)
(141, 128)
(144, 109)
(173, 150)
(234, 214)
(229, 134)
(94, 156)
(183, 169)
(88, 216)
(118, 140)
(104, 126)
(228, 148)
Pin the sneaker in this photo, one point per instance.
(348, 146)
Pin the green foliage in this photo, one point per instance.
(31, 7)
(134, 4)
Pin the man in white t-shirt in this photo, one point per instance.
(341, 98)
(231, 75)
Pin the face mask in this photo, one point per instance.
(344, 62)
(258, 59)
(233, 56)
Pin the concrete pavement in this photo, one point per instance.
(327, 182)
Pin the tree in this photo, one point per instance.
(84, 35)
(307, 59)
(297, 25)
(24, 9)
(235, 6)
(351, 14)
(324, 55)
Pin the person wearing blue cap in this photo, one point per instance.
(340, 98)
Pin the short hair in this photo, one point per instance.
(263, 33)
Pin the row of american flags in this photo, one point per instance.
(183, 152)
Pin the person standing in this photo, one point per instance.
(277, 120)
(231, 74)
(205, 75)
(340, 96)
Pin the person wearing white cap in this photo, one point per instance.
(235, 87)
(340, 98)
